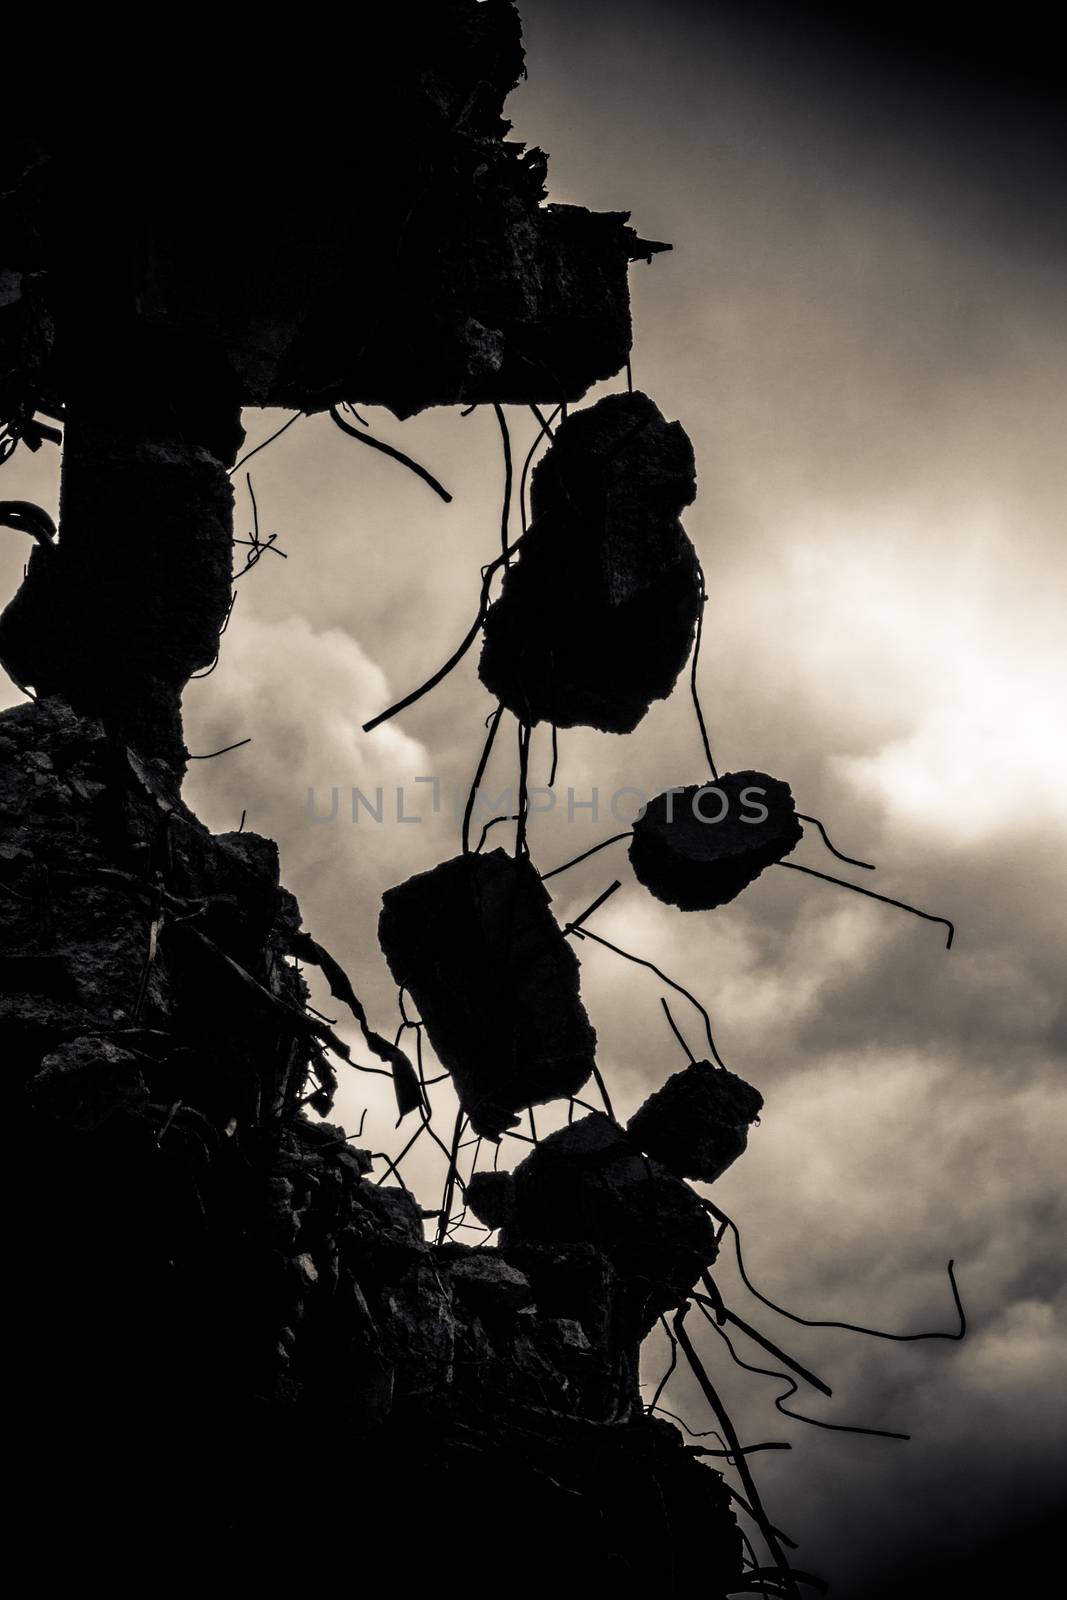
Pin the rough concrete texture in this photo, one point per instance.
(697, 1124)
(216, 1294)
(597, 612)
(698, 864)
(140, 302)
(389, 245)
(476, 945)
(118, 627)
(122, 919)
(235, 1350)
(590, 1181)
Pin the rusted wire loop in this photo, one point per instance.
(255, 452)
(868, 866)
(821, 1322)
(791, 1389)
(388, 450)
(724, 1314)
(586, 933)
(902, 905)
(509, 817)
(457, 656)
(26, 517)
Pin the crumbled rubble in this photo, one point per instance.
(84, 1082)
(229, 1337)
(590, 1181)
(598, 610)
(220, 1288)
(491, 1196)
(699, 847)
(697, 1124)
(119, 637)
(475, 944)
(426, 272)
(123, 925)
(433, 274)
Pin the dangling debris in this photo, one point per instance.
(28, 518)
(698, 847)
(491, 1196)
(596, 616)
(475, 945)
(590, 1183)
(405, 1081)
(697, 1124)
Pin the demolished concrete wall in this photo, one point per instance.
(222, 1313)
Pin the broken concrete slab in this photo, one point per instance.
(597, 612)
(491, 1196)
(485, 1280)
(591, 1183)
(698, 847)
(475, 944)
(86, 1081)
(140, 305)
(432, 273)
(697, 1123)
(211, 1282)
(120, 635)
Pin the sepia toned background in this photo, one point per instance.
(863, 328)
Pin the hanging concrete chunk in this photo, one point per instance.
(697, 1124)
(698, 847)
(476, 946)
(431, 274)
(138, 303)
(491, 1196)
(596, 616)
(590, 1183)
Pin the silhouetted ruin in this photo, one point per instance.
(496, 983)
(699, 847)
(697, 1124)
(596, 616)
(225, 1308)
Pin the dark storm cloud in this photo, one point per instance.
(1007, 51)
(1003, 58)
(866, 301)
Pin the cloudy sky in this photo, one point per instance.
(863, 327)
